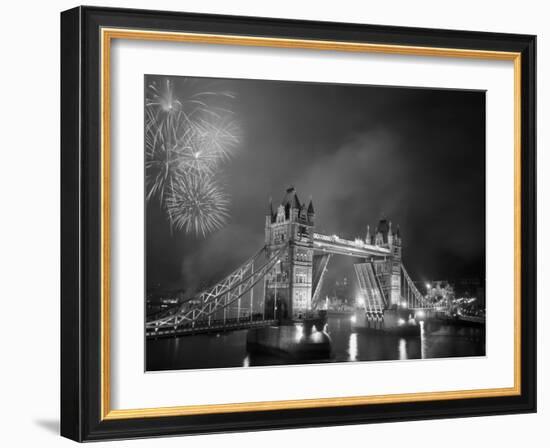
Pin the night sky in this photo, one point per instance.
(414, 156)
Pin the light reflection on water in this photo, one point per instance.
(229, 349)
(402, 349)
(422, 340)
(352, 347)
(299, 332)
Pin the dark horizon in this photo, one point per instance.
(412, 155)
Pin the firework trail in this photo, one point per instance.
(160, 155)
(186, 142)
(196, 204)
(161, 97)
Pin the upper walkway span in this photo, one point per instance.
(333, 244)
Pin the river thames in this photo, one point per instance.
(437, 340)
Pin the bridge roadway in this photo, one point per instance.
(333, 244)
(216, 326)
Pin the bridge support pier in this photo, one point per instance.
(398, 321)
(289, 341)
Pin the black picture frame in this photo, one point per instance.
(81, 380)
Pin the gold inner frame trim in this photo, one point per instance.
(107, 35)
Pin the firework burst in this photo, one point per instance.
(197, 204)
(161, 164)
(217, 137)
(161, 97)
(186, 143)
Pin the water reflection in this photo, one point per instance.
(316, 336)
(352, 351)
(299, 332)
(422, 340)
(436, 340)
(402, 349)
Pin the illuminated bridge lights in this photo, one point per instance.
(357, 247)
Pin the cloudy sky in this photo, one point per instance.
(414, 156)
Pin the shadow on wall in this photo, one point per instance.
(51, 426)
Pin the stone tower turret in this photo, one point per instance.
(388, 270)
(288, 286)
(310, 211)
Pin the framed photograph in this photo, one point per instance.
(276, 224)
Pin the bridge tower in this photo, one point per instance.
(288, 287)
(388, 270)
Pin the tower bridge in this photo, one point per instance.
(283, 280)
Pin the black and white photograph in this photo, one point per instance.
(296, 223)
(288, 220)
